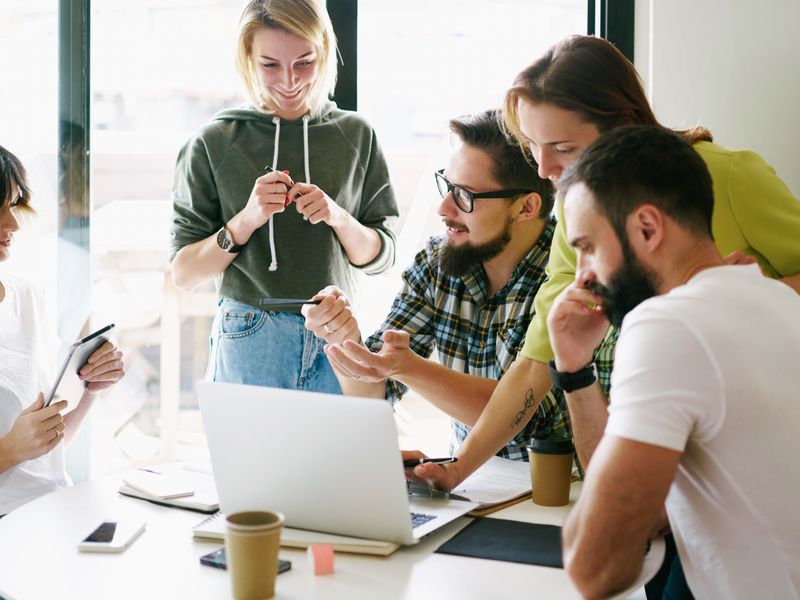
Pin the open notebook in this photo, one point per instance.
(497, 484)
(213, 529)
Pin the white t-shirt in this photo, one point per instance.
(26, 354)
(712, 369)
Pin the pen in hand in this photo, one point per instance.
(413, 462)
(269, 169)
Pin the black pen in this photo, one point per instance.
(413, 462)
(281, 302)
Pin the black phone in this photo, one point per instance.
(217, 559)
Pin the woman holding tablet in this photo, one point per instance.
(319, 212)
(31, 452)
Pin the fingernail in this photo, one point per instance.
(287, 172)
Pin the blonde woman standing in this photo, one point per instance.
(321, 211)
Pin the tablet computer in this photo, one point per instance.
(76, 357)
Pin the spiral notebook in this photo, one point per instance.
(212, 529)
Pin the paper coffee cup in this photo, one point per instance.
(252, 540)
(551, 470)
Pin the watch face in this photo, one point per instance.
(224, 240)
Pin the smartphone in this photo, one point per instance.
(217, 559)
(112, 536)
(79, 352)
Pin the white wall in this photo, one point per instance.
(731, 65)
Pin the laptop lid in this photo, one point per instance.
(329, 463)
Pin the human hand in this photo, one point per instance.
(577, 325)
(35, 431)
(443, 477)
(103, 369)
(314, 204)
(269, 196)
(332, 319)
(356, 361)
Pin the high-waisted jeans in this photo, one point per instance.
(262, 347)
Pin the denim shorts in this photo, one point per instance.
(263, 347)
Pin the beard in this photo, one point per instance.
(631, 285)
(457, 260)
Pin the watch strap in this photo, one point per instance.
(569, 382)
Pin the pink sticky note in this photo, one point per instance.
(321, 558)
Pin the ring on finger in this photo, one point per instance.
(327, 329)
(356, 376)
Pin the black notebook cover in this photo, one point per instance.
(512, 541)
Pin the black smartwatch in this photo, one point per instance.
(569, 382)
(225, 241)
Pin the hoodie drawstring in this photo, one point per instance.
(305, 147)
(273, 265)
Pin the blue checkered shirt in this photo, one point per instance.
(472, 333)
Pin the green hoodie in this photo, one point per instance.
(216, 171)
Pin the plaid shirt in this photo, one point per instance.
(472, 333)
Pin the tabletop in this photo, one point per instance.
(39, 558)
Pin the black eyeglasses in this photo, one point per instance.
(464, 199)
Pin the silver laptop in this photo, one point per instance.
(329, 463)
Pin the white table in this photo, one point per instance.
(39, 559)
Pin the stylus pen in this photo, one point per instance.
(97, 333)
(413, 462)
(287, 302)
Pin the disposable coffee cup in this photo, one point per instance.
(551, 470)
(252, 540)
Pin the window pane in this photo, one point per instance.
(29, 129)
(160, 69)
(422, 63)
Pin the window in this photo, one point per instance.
(159, 70)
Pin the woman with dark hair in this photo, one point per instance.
(31, 452)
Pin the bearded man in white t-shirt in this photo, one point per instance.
(705, 394)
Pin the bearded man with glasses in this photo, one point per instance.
(468, 294)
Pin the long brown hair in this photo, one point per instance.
(589, 76)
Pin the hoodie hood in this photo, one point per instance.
(248, 112)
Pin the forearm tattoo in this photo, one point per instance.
(520, 416)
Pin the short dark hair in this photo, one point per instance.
(511, 168)
(13, 173)
(630, 166)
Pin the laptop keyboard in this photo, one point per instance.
(418, 519)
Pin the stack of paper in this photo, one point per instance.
(500, 482)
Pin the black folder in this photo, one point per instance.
(511, 541)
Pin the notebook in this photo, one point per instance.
(329, 463)
(212, 529)
(202, 499)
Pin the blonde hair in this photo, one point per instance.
(307, 19)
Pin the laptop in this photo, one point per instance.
(329, 463)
